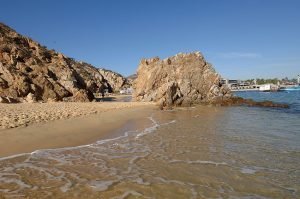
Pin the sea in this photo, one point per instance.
(195, 152)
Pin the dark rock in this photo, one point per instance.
(238, 101)
(8, 100)
(3, 100)
(83, 96)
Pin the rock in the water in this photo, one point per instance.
(183, 79)
(239, 101)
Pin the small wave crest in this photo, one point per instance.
(198, 162)
(152, 128)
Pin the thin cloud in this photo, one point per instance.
(233, 55)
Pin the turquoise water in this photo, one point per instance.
(292, 98)
(276, 126)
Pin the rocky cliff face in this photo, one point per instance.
(115, 81)
(131, 78)
(27, 67)
(183, 79)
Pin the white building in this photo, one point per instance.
(126, 91)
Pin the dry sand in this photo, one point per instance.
(27, 127)
(23, 114)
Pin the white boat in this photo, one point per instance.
(268, 87)
(291, 88)
(265, 88)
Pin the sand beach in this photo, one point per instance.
(26, 127)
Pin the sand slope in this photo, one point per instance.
(54, 125)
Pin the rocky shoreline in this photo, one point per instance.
(239, 101)
(185, 79)
(29, 72)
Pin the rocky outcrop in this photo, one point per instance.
(30, 98)
(3, 100)
(27, 67)
(115, 81)
(8, 100)
(183, 79)
(239, 101)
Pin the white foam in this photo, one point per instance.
(127, 194)
(207, 162)
(14, 156)
(248, 171)
(198, 162)
(167, 123)
(99, 185)
(67, 186)
(170, 181)
(136, 158)
(41, 152)
(153, 128)
(20, 183)
(126, 134)
(149, 129)
(114, 139)
(141, 182)
(45, 161)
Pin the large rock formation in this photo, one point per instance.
(115, 81)
(27, 67)
(183, 79)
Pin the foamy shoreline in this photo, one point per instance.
(56, 125)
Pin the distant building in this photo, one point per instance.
(126, 91)
(233, 81)
(242, 83)
(229, 82)
(224, 81)
(255, 81)
(234, 84)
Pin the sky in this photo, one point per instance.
(242, 39)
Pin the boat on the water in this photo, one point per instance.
(268, 87)
(290, 88)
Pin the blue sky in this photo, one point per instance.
(241, 38)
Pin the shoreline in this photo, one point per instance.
(109, 122)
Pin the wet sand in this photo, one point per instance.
(54, 125)
(196, 152)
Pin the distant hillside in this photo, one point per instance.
(114, 80)
(28, 68)
(131, 78)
